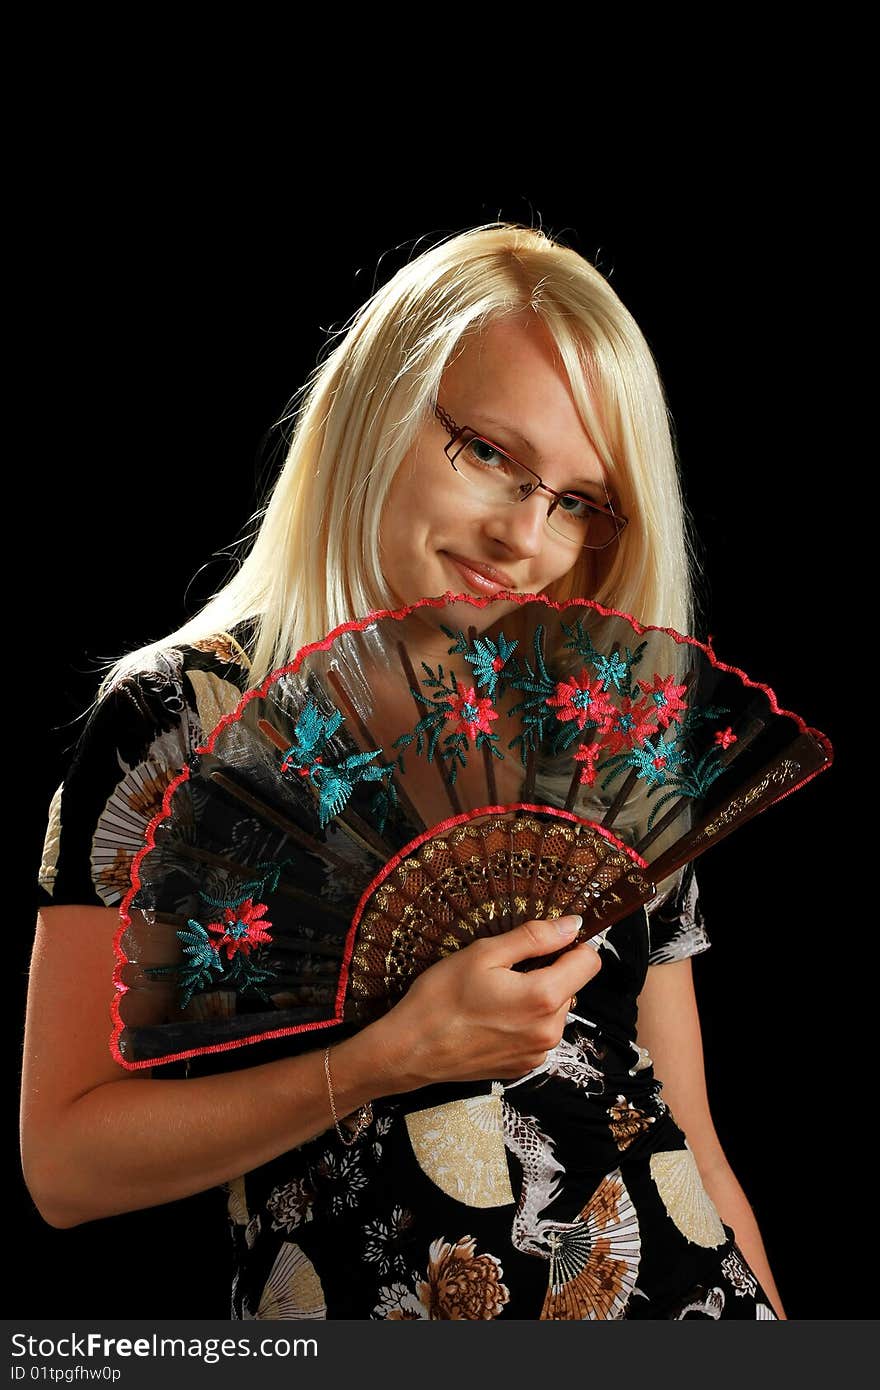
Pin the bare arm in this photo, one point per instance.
(669, 1027)
(98, 1140)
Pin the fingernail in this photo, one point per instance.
(569, 925)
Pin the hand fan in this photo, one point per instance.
(421, 778)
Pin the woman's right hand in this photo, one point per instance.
(471, 1016)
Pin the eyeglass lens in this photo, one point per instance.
(500, 479)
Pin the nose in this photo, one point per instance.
(520, 526)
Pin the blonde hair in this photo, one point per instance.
(314, 562)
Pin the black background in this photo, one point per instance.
(173, 311)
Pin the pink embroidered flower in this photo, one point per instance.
(725, 737)
(588, 754)
(473, 714)
(240, 929)
(581, 698)
(633, 723)
(666, 696)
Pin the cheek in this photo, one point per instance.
(573, 580)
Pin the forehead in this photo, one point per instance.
(503, 350)
(508, 382)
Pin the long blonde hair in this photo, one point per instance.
(314, 561)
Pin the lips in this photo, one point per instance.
(483, 578)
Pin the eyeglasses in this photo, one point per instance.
(501, 479)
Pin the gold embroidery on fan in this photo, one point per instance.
(779, 776)
(681, 1189)
(236, 1203)
(293, 1289)
(460, 1146)
(214, 697)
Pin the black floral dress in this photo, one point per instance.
(569, 1193)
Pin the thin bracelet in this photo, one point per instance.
(364, 1115)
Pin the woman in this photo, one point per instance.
(587, 1200)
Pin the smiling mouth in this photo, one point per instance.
(476, 581)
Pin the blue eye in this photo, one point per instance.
(576, 502)
(476, 444)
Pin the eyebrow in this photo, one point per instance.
(597, 483)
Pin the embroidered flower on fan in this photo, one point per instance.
(240, 929)
(656, 761)
(473, 714)
(487, 658)
(582, 699)
(725, 737)
(633, 723)
(588, 754)
(667, 698)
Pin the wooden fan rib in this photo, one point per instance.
(461, 926)
(220, 861)
(488, 760)
(292, 831)
(343, 697)
(302, 946)
(803, 758)
(576, 839)
(538, 857)
(743, 740)
(412, 679)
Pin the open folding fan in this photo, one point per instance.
(422, 778)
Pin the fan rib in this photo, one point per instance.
(503, 919)
(511, 914)
(412, 679)
(800, 760)
(488, 760)
(220, 861)
(467, 927)
(534, 876)
(528, 790)
(629, 782)
(572, 899)
(743, 740)
(292, 831)
(305, 947)
(343, 698)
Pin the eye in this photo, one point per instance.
(484, 453)
(578, 507)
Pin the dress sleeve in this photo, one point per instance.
(135, 742)
(675, 924)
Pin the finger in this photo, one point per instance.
(571, 971)
(534, 939)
